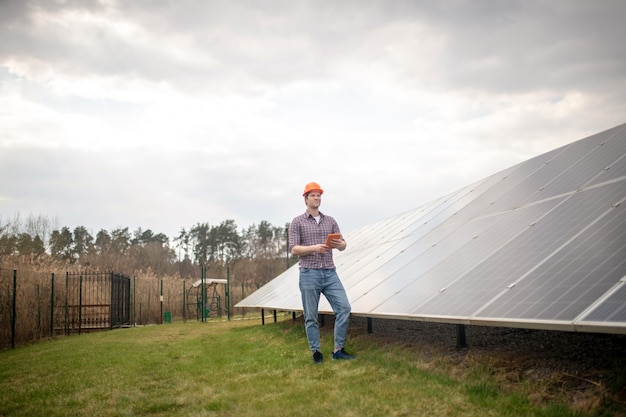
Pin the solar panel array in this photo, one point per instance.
(539, 245)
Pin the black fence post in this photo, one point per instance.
(134, 300)
(52, 306)
(184, 301)
(228, 291)
(14, 309)
(67, 307)
(113, 313)
(203, 294)
(38, 310)
(80, 305)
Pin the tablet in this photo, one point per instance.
(331, 237)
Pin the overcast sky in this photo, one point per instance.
(165, 114)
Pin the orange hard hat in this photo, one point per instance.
(312, 186)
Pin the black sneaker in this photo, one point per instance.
(318, 357)
(342, 354)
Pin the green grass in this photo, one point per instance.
(241, 368)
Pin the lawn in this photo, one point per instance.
(241, 368)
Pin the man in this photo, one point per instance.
(307, 240)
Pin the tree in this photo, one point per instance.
(34, 230)
(120, 241)
(38, 247)
(26, 245)
(229, 244)
(8, 244)
(61, 243)
(183, 242)
(150, 251)
(39, 226)
(260, 246)
(143, 238)
(220, 244)
(265, 250)
(103, 242)
(83, 242)
(265, 241)
(154, 255)
(201, 243)
(4, 228)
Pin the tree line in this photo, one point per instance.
(259, 251)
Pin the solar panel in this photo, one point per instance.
(530, 253)
(538, 245)
(572, 278)
(610, 310)
(480, 240)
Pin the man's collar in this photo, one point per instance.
(307, 214)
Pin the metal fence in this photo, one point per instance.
(93, 301)
(40, 305)
(36, 305)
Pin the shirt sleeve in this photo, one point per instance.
(294, 233)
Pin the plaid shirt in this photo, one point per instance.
(305, 231)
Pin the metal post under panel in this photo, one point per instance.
(460, 336)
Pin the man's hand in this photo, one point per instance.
(307, 250)
(321, 248)
(337, 244)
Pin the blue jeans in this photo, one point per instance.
(314, 282)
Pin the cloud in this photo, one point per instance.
(159, 114)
